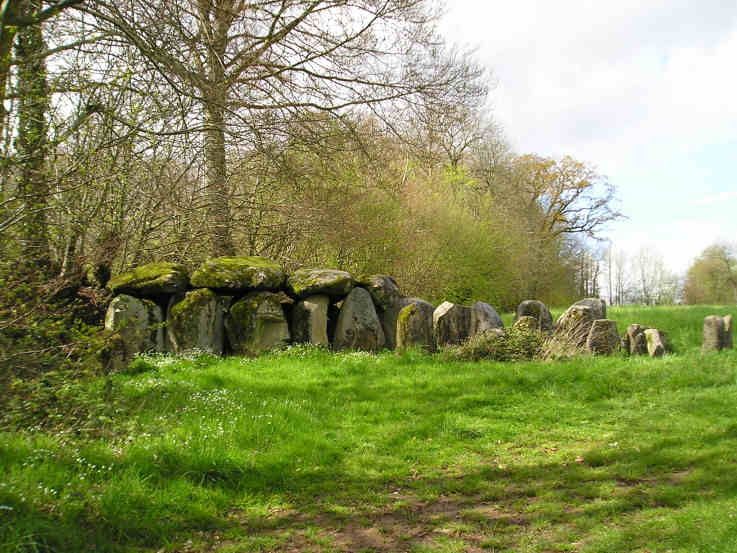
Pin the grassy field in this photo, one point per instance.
(310, 451)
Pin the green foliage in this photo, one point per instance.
(516, 344)
(712, 277)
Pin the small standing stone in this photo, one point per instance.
(656, 342)
(634, 341)
(195, 322)
(358, 325)
(256, 324)
(414, 327)
(538, 310)
(484, 317)
(717, 333)
(310, 320)
(603, 338)
(451, 324)
(727, 341)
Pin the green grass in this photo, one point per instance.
(310, 451)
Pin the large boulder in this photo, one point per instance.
(573, 326)
(451, 324)
(717, 333)
(383, 289)
(415, 326)
(256, 323)
(139, 323)
(597, 306)
(390, 316)
(309, 282)
(634, 341)
(151, 281)
(238, 274)
(538, 310)
(603, 338)
(484, 317)
(195, 322)
(310, 320)
(358, 325)
(657, 342)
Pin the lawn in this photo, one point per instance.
(305, 450)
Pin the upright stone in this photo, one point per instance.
(303, 283)
(139, 323)
(597, 306)
(390, 316)
(415, 326)
(310, 320)
(451, 324)
(634, 341)
(239, 274)
(603, 338)
(717, 333)
(484, 317)
(151, 281)
(195, 322)
(538, 310)
(657, 342)
(383, 289)
(256, 323)
(727, 337)
(358, 325)
(574, 325)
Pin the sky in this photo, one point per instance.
(643, 90)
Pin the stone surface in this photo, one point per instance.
(484, 317)
(390, 316)
(597, 306)
(309, 282)
(239, 274)
(538, 310)
(152, 280)
(634, 341)
(451, 324)
(310, 320)
(383, 289)
(717, 333)
(256, 323)
(574, 325)
(415, 326)
(195, 322)
(657, 342)
(603, 338)
(358, 325)
(139, 323)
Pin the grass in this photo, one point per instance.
(310, 451)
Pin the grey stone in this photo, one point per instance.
(310, 320)
(358, 325)
(415, 326)
(657, 342)
(309, 282)
(634, 341)
(256, 324)
(727, 337)
(717, 334)
(484, 317)
(603, 338)
(574, 325)
(451, 324)
(139, 325)
(239, 274)
(538, 310)
(597, 306)
(383, 289)
(195, 322)
(390, 316)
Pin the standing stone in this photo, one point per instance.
(256, 323)
(574, 325)
(484, 317)
(303, 283)
(451, 324)
(310, 320)
(238, 274)
(603, 338)
(358, 325)
(415, 326)
(390, 316)
(634, 341)
(597, 306)
(139, 323)
(717, 333)
(152, 280)
(657, 342)
(195, 322)
(383, 289)
(538, 310)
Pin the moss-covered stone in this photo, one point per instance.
(537, 309)
(239, 274)
(415, 328)
(256, 324)
(309, 282)
(139, 323)
(154, 279)
(383, 289)
(195, 322)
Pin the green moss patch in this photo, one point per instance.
(153, 279)
(239, 274)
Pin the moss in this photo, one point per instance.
(151, 280)
(239, 273)
(254, 323)
(306, 282)
(181, 317)
(404, 315)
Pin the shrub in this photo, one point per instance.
(516, 344)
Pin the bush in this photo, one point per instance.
(516, 344)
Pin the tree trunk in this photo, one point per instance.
(221, 236)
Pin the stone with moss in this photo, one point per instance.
(415, 328)
(597, 306)
(383, 289)
(603, 338)
(451, 324)
(484, 317)
(309, 320)
(538, 310)
(574, 325)
(152, 280)
(139, 322)
(309, 282)
(358, 325)
(195, 322)
(256, 324)
(526, 323)
(239, 274)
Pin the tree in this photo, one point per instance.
(653, 284)
(712, 277)
(252, 65)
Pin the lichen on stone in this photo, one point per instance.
(238, 274)
(154, 279)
